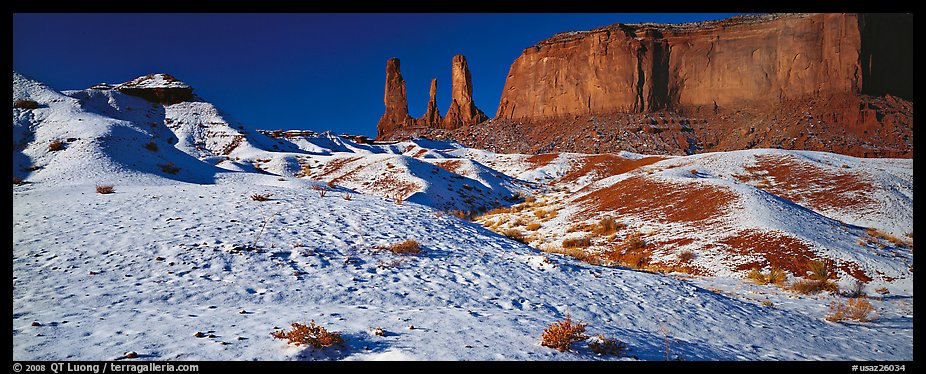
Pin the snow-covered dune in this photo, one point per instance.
(217, 235)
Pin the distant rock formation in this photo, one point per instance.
(396, 122)
(396, 114)
(157, 88)
(462, 109)
(828, 82)
(432, 117)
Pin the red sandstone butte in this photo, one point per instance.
(831, 82)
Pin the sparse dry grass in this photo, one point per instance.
(466, 216)
(895, 241)
(811, 287)
(775, 276)
(311, 335)
(152, 146)
(608, 226)
(104, 189)
(561, 334)
(260, 197)
(408, 247)
(856, 309)
(347, 196)
(56, 145)
(603, 345)
(169, 168)
(577, 242)
(25, 104)
(532, 226)
(321, 190)
(686, 256)
(515, 235)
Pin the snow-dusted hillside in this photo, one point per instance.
(180, 247)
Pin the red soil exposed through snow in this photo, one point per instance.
(606, 165)
(814, 187)
(666, 202)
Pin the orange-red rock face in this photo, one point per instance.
(396, 114)
(462, 109)
(625, 68)
(738, 79)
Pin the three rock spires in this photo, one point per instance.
(462, 111)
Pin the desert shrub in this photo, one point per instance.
(104, 189)
(408, 247)
(857, 289)
(603, 345)
(532, 226)
(774, 276)
(152, 146)
(515, 235)
(55, 145)
(686, 256)
(530, 199)
(856, 309)
(633, 242)
(322, 190)
(577, 242)
(811, 287)
(608, 226)
(821, 270)
(169, 168)
(461, 214)
(311, 335)
(561, 334)
(25, 104)
(347, 196)
(260, 197)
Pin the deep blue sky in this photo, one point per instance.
(306, 71)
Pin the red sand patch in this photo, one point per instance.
(661, 201)
(776, 248)
(451, 165)
(541, 160)
(420, 153)
(606, 165)
(808, 185)
(780, 250)
(335, 165)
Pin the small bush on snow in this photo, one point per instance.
(561, 334)
(260, 197)
(104, 189)
(405, 248)
(55, 145)
(857, 309)
(603, 345)
(25, 104)
(312, 335)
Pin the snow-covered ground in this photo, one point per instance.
(176, 251)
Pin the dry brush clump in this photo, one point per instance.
(577, 242)
(562, 334)
(775, 276)
(608, 226)
(603, 345)
(311, 335)
(169, 168)
(25, 104)
(408, 247)
(532, 226)
(104, 189)
(260, 196)
(821, 275)
(515, 235)
(152, 146)
(856, 309)
(55, 145)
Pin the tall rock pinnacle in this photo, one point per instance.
(432, 116)
(396, 114)
(462, 109)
